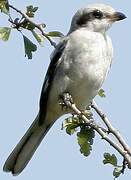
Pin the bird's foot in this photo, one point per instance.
(65, 97)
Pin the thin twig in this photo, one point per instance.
(38, 26)
(111, 129)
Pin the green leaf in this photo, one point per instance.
(71, 121)
(40, 39)
(117, 171)
(71, 129)
(55, 34)
(110, 159)
(85, 140)
(71, 124)
(4, 6)
(85, 147)
(66, 122)
(101, 93)
(31, 10)
(5, 33)
(29, 47)
(35, 9)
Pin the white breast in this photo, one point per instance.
(86, 62)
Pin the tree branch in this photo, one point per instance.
(38, 26)
(124, 152)
(111, 129)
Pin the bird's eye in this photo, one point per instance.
(97, 14)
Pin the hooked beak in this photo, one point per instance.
(118, 16)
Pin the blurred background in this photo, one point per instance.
(21, 80)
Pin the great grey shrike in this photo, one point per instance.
(79, 65)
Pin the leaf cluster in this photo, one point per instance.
(85, 134)
(85, 138)
(31, 11)
(112, 159)
(24, 23)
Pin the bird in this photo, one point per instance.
(79, 65)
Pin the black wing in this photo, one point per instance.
(48, 80)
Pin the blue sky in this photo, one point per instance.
(58, 156)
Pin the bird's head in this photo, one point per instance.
(95, 17)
